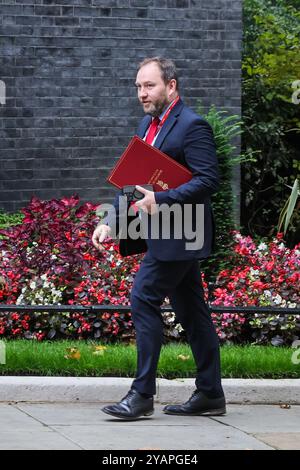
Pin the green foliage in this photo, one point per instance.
(288, 211)
(272, 41)
(271, 70)
(225, 129)
(10, 219)
(274, 329)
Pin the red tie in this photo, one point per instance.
(152, 130)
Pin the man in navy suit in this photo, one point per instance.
(170, 267)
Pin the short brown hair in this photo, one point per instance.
(167, 68)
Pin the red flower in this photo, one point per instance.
(16, 331)
(24, 325)
(231, 285)
(258, 285)
(88, 257)
(270, 265)
(40, 336)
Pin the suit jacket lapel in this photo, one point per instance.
(165, 130)
(170, 122)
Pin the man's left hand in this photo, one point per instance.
(148, 203)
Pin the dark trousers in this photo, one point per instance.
(181, 282)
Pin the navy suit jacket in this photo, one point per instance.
(188, 138)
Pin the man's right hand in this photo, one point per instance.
(101, 232)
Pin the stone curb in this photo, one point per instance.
(111, 389)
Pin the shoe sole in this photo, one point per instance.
(219, 412)
(128, 418)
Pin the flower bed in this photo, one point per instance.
(263, 275)
(49, 259)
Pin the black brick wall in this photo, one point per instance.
(69, 68)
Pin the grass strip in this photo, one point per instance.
(88, 358)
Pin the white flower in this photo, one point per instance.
(262, 246)
(19, 299)
(53, 257)
(32, 285)
(277, 299)
(281, 246)
(254, 272)
(44, 277)
(178, 327)
(267, 293)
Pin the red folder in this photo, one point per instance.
(143, 164)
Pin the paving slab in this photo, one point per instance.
(149, 436)
(20, 431)
(42, 439)
(281, 440)
(84, 426)
(266, 419)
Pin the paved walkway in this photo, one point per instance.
(83, 426)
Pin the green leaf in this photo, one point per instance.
(292, 203)
(288, 208)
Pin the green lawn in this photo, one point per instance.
(25, 357)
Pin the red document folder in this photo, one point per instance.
(143, 164)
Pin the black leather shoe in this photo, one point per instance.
(197, 405)
(133, 406)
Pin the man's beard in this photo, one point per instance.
(157, 108)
